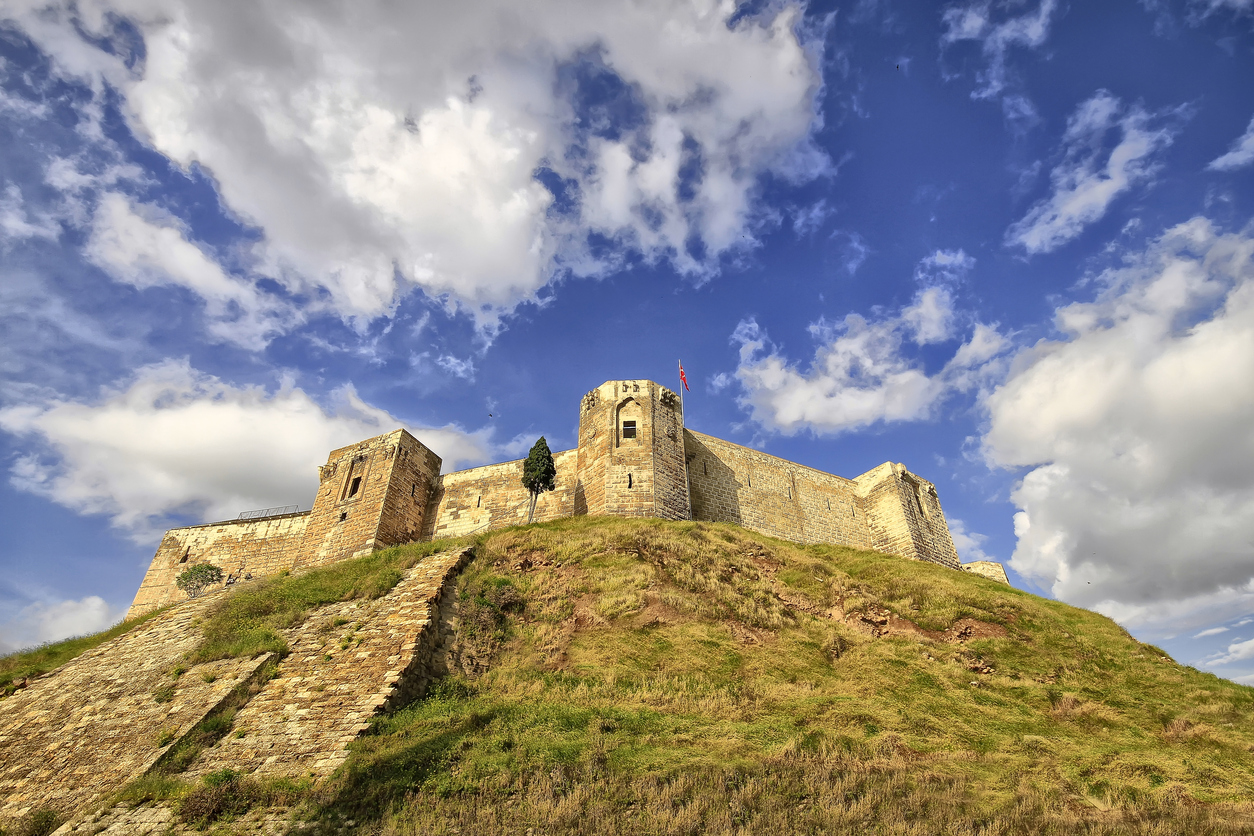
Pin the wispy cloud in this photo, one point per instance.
(1240, 155)
(1213, 631)
(975, 22)
(1089, 178)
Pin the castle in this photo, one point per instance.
(634, 458)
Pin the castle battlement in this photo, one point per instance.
(634, 458)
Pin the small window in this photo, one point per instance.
(186, 555)
(343, 516)
(479, 501)
(629, 480)
(414, 490)
(705, 471)
(354, 486)
(629, 429)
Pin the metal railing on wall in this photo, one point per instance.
(268, 512)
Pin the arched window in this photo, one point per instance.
(630, 422)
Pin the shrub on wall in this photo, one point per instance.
(199, 578)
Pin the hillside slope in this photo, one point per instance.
(691, 677)
(639, 676)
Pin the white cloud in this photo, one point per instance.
(380, 146)
(17, 224)
(145, 247)
(1087, 179)
(974, 22)
(968, 543)
(1237, 6)
(1213, 631)
(1236, 652)
(177, 441)
(1240, 155)
(719, 382)
(41, 622)
(465, 369)
(860, 373)
(1138, 429)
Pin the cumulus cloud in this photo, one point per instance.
(1240, 155)
(43, 622)
(177, 441)
(861, 372)
(974, 22)
(1137, 429)
(145, 247)
(470, 150)
(1089, 178)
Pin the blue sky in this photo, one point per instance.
(1007, 244)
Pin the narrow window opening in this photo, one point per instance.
(479, 501)
(629, 429)
(354, 486)
(829, 505)
(750, 479)
(343, 516)
(414, 490)
(186, 555)
(629, 480)
(705, 471)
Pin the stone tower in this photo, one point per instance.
(373, 495)
(631, 452)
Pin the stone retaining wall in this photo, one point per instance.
(349, 662)
(95, 723)
(99, 721)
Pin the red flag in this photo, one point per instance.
(682, 377)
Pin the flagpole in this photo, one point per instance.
(683, 419)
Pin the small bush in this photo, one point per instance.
(36, 823)
(198, 578)
(224, 793)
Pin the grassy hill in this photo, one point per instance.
(640, 676)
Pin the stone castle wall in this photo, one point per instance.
(731, 483)
(255, 547)
(473, 500)
(905, 515)
(634, 459)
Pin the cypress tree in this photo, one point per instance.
(538, 473)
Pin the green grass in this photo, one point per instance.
(655, 677)
(38, 661)
(249, 621)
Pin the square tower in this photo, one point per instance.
(631, 452)
(373, 494)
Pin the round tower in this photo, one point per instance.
(631, 452)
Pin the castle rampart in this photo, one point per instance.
(634, 459)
